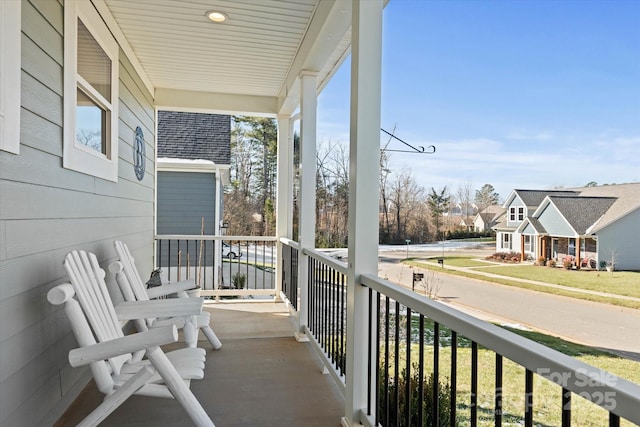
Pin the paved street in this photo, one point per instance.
(594, 324)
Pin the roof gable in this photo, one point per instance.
(535, 197)
(194, 136)
(627, 200)
(581, 212)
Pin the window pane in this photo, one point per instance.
(91, 119)
(93, 63)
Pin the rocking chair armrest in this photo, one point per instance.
(171, 288)
(119, 346)
(130, 310)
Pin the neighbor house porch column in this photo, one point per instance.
(364, 165)
(307, 220)
(284, 192)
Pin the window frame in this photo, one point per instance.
(10, 75)
(520, 213)
(506, 241)
(77, 156)
(512, 213)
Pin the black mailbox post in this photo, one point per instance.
(417, 277)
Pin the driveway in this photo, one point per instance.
(600, 325)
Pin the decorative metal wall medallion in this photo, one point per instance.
(138, 154)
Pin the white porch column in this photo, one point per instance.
(217, 244)
(307, 221)
(284, 200)
(364, 154)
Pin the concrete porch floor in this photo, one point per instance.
(260, 377)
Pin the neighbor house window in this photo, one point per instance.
(520, 214)
(506, 241)
(90, 93)
(10, 20)
(512, 213)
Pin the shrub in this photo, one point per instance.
(551, 263)
(239, 280)
(388, 390)
(542, 261)
(509, 257)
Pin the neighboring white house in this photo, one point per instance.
(487, 218)
(587, 225)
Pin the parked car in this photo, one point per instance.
(231, 252)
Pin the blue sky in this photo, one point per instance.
(516, 94)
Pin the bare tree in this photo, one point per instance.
(332, 194)
(464, 196)
(405, 195)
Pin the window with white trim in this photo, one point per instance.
(90, 93)
(528, 243)
(10, 30)
(521, 213)
(512, 213)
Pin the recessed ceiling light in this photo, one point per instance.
(216, 16)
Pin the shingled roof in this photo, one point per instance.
(535, 197)
(582, 212)
(194, 136)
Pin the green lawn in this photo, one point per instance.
(619, 282)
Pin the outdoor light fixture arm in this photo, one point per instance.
(420, 149)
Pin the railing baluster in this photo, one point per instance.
(566, 408)
(169, 261)
(436, 375)
(454, 378)
(614, 420)
(421, 372)
(407, 398)
(528, 395)
(387, 396)
(369, 351)
(474, 384)
(378, 355)
(498, 408)
(396, 361)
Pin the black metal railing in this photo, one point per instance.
(434, 366)
(290, 272)
(220, 265)
(327, 309)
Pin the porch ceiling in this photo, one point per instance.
(248, 64)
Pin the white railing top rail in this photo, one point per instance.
(614, 394)
(215, 237)
(339, 266)
(289, 242)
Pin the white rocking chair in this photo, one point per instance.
(133, 289)
(116, 361)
